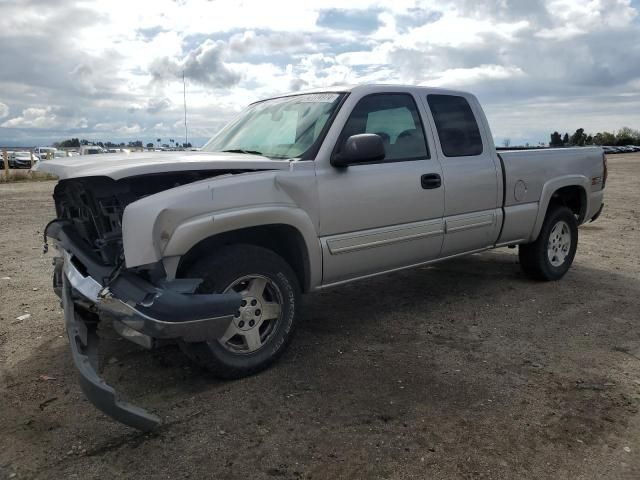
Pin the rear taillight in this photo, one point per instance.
(605, 170)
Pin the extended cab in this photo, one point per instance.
(212, 249)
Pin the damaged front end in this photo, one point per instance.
(92, 280)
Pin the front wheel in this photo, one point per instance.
(264, 323)
(551, 255)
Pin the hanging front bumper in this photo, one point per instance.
(154, 312)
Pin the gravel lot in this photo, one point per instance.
(463, 370)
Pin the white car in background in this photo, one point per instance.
(91, 150)
(44, 152)
(22, 160)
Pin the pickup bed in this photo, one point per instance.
(212, 249)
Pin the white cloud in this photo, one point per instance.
(116, 71)
(573, 18)
(33, 118)
(460, 77)
(453, 30)
(45, 117)
(130, 129)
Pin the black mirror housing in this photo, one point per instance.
(361, 148)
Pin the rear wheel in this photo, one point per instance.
(264, 323)
(551, 255)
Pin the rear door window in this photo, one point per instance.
(456, 125)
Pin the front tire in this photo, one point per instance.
(264, 324)
(551, 255)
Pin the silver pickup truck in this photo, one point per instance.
(212, 249)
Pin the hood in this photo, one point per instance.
(122, 165)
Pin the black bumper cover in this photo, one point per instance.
(83, 340)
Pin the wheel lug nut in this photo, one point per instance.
(237, 314)
(258, 312)
(241, 324)
(251, 323)
(254, 302)
(243, 303)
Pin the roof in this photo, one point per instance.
(367, 86)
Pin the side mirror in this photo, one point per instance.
(362, 148)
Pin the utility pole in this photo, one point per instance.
(184, 97)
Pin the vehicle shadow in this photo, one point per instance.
(418, 356)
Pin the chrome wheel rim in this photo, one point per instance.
(258, 316)
(559, 243)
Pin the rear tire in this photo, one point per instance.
(551, 255)
(263, 326)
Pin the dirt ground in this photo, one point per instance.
(462, 370)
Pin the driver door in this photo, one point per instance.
(388, 214)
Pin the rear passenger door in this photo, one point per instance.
(472, 211)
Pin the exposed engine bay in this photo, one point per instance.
(95, 205)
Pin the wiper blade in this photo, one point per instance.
(241, 150)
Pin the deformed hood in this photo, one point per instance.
(122, 165)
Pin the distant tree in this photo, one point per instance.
(84, 142)
(627, 136)
(100, 144)
(579, 138)
(187, 145)
(589, 140)
(149, 145)
(565, 139)
(604, 138)
(71, 143)
(556, 140)
(136, 144)
(506, 142)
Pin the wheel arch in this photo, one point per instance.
(287, 231)
(284, 240)
(570, 191)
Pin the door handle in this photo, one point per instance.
(430, 180)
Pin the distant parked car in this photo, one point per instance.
(609, 149)
(618, 149)
(91, 150)
(20, 160)
(45, 152)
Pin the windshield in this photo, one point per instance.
(278, 128)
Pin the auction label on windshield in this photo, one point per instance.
(319, 97)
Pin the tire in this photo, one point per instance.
(551, 255)
(246, 268)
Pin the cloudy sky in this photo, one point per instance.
(111, 69)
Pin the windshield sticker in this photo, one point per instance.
(319, 98)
